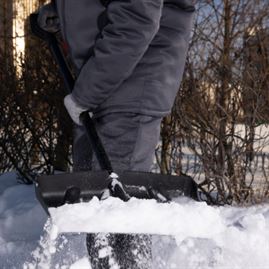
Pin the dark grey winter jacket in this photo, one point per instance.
(129, 55)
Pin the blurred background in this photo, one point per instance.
(217, 131)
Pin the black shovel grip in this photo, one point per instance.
(52, 43)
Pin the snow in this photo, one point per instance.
(138, 216)
(200, 236)
(21, 221)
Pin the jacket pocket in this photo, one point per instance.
(158, 96)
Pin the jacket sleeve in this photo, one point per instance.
(132, 25)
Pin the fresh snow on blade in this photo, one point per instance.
(200, 237)
(139, 216)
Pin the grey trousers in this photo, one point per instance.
(130, 140)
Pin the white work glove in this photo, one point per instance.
(73, 108)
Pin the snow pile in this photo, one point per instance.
(21, 221)
(203, 237)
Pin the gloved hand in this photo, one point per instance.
(48, 18)
(73, 108)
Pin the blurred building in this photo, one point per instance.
(256, 74)
(6, 28)
(21, 29)
(13, 26)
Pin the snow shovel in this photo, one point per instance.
(60, 189)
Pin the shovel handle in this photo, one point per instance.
(95, 142)
(69, 81)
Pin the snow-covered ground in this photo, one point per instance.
(203, 236)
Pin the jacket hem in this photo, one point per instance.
(142, 111)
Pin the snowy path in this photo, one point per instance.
(205, 237)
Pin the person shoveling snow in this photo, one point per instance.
(128, 58)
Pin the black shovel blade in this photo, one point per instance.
(56, 190)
